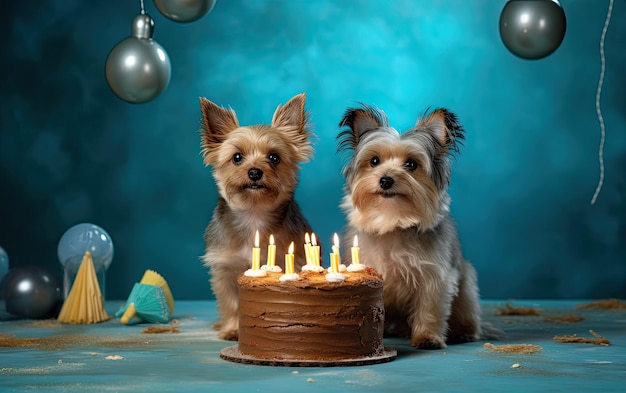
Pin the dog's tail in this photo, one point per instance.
(490, 332)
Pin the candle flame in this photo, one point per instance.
(272, 240)
(313, 239)
(256, 239)
(307, 238)
(356, 241)
(290, 251)
(336, 240)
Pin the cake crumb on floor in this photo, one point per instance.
(510, 309)
(172, 328)
(573, 338)
(514, 348)
(565, 318)
(605, 304)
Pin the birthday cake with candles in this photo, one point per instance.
(318, 316)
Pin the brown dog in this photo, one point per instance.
(256, 172)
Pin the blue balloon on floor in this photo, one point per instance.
(82, 238)
(32, 292)
(4, 263)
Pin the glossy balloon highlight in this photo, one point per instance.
(532, 29)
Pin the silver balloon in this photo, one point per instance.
(138, 69)
(184, 10)
(532, 29)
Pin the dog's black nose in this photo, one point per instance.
(255, 174)
(386, 182)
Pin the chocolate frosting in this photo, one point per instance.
(311, 318)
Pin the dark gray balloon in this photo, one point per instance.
(532, 29)
(32, 292)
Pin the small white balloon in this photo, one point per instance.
(184, 11)
(138, 69)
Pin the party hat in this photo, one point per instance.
(146, 302)
(153, 278)
(84, 303)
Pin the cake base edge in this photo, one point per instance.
(232, 354)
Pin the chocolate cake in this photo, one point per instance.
(312, 319)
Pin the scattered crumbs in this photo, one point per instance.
(171, 328)
(523, 349)
(60, 362)
(114, 357)
(598, 340)
(565, 318)
(310, 380)
(7, 341)
(510, 309)
(605, 304)
(295, 372)
(516, 365)
(93, 353)
(45, 323)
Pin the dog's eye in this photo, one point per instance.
(410, 165)
(274, 158)
(375, 161)
(237, 158)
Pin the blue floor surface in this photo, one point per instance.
(76, 358)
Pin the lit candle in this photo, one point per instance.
(356, 254)
(316, 250)
(256, 253)
(271, 252)
(289, 262)
(335, 256)
(307, 249)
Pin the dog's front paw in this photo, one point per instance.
(428, 342)
(228, 334)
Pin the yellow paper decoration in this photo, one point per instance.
(84, 304)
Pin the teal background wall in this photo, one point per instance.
(71, 152)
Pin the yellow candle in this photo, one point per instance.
(307, 249)
(316, 250)
(289, 262)
(335, 257)
(256, 253)
(334, 262)
(271, 252)
(356, 253)
(336, 245)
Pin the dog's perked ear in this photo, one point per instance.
(292, 119)
(217, 123)
(292, 114)
(444, 126)
(359, 121)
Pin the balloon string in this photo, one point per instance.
(143, 11)
(598, 109)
